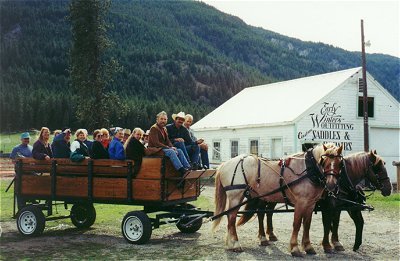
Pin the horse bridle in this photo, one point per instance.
(376, 171)
(331, 171)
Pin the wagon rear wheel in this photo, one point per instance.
(193, 227)
(30, 221)
(83, 215)
(136, 227)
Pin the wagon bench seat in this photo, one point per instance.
(106, 180)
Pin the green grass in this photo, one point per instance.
(9, 141)
(390, 203)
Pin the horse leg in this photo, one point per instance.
(358, 219)
(335, 233)
(307, 217)
(270, 228)
(327, 222)
(232, 241)
(294, 246)
(261, 232)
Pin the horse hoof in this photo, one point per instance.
(264, 243)
(328, 249)
(273, 238)
(311, 251)
(237, 250)
(339, 248)
(297, 254)
(356, 247)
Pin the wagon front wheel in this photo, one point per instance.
(83, 215)
(30, 221)
(136, 227)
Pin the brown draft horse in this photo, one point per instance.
(260, 177)
(358, 166)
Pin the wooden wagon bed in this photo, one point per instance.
(107, 181)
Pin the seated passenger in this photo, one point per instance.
(158, 139)
(41, 148)
(203, 146)
(181, 139)
(116, 149)
(146, 138)
(79, 150)
(61, 144)
(105, 138)
(87, 141)
(23, 149)
(134, 149)
(98, 150)
(127, 134)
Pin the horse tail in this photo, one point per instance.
(251, 205)
(220, 200)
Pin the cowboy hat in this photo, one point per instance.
(179, 115)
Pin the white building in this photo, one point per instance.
(275, 120)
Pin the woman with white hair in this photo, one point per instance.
(79, 150)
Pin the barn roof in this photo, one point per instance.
(280, 102)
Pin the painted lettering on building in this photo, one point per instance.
(328, 125)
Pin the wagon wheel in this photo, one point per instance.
(136, 227)
(30, 221)
(83, 215)
(193, 227)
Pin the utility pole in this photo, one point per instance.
(365, 94)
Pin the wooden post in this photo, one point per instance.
(397, 164)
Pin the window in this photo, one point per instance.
(234, 148)
(370, 107)
(217, 150)
(254, 147)
(276, 148)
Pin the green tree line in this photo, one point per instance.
(174, 55)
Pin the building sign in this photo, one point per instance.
(328, 125)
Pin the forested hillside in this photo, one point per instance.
(174, 56)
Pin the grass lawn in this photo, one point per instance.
(9, 141)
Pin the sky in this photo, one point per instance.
(337, 23)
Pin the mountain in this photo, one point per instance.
(176, 55)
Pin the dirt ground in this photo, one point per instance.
(381, 241)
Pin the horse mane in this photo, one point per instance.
(357, 162)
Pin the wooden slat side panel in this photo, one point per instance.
(170, 170)
(108, 162)
(190, 190)
(150, 168)
(110, 188)
(36, 168)
(72, 186)
(72, 169)
(36, 185)
(34, 161)
(118, 170)
(146, 189)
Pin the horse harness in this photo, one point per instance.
(313, 173)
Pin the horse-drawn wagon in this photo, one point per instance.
(157, 187)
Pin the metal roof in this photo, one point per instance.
(280, 102)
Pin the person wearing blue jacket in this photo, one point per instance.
(116, 149)
(61, 144)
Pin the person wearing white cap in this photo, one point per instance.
(181, 139)
(23, 149)
(158, 139)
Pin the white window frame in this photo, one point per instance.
(237, 147)
(216, 153)
(258, 145)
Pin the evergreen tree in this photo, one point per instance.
(90, 70)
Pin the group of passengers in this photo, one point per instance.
(175, 140)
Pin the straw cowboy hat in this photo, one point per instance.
(179, 115)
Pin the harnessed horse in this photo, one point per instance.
(301, 184)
